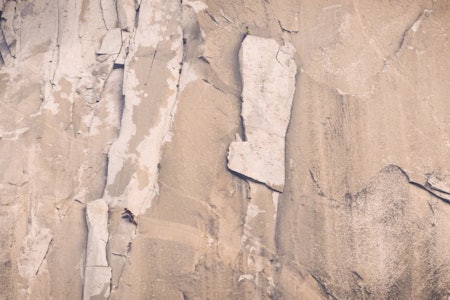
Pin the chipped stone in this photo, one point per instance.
(109, 13)
(120, 60)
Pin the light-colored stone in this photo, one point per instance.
(97, 221)
(35, 249)
(364, 212)
(97, 283)
(126, 14)
(97, 273)
(109, 13)
(268, 79)
(111, 43)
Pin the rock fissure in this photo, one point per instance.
(44, 257)
(409, 32)
(424, 187)
(323, 285)
(316, 183)
(214, 86)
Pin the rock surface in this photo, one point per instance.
(268, 85)
(97, 271)
(345, 121)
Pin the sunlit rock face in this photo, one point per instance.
(268, 83)
(166, 149)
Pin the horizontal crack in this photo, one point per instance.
(421, 186)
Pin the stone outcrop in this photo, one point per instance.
(165, 149)
(97, 275)
(268, 85)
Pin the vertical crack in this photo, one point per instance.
(45, 256)
(316, 183)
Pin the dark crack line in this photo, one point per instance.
(322, 285)
(403, 38)
(316, 183)
(431, 207)
(431, 187)
(102, 90)
(357, 275)
(214, 86)
(212, 18)
(45, 256)
(284, 29)
(122, 48)
(5, 40)
(103, 15)
(151, 65)
(421, 186)
(136, 16)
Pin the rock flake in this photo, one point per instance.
(268, 78)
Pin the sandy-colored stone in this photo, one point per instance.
(97, 222)
(111, 43)
(268, 79)
(97, 273)
(340, 189)
(36, 247)
(97, 282)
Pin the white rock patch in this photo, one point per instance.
(97, 273)
(268, 76)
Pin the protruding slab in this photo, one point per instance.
(268, 75)
(97, 272)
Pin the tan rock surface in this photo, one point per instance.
(108, 105)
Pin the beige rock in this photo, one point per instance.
(97, 221)
(97, 274)
(35, 249)
(360, 149)
(268, 79)
(112, 42)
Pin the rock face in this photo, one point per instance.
(268, 84)
(165, 149)
(97, 271)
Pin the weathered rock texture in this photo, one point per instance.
(268, 83)
(340, 188)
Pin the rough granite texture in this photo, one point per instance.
(119, 104)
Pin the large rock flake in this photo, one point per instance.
(268, 76)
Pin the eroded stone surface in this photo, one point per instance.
(268, 79)
(97, 273)
(365, 205)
